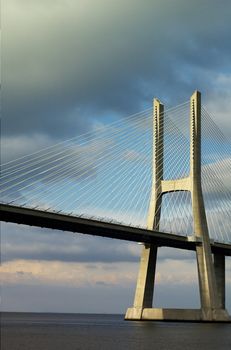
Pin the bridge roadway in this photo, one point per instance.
(64, 222)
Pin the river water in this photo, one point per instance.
(36, 331)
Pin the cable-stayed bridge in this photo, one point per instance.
(161, 177)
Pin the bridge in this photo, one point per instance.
(148, 178)
(53, 220)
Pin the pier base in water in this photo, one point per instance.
(183, 315)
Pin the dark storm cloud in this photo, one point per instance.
(68, 62)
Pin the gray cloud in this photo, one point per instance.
(20, 242)
(68, 62)
(23, 242)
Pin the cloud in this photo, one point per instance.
(45, 281)
(29, 243)
(23, 242)
(34, 272)
(68, 62)
(219, 102)
(14, 147)
(21, 271)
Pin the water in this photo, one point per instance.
(24, 331)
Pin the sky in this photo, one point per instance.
(68, 65)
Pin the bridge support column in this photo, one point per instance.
(211, 274)
(219, 265)
(211, 308)
(145, 283)
(146, 277)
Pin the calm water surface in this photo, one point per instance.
(24, 331)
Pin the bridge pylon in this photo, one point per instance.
(211, 268)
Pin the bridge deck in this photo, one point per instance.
(58, 221)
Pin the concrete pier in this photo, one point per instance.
(176, 315)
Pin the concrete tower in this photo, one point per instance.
(211, 269)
